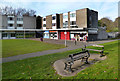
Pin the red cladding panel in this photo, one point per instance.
(63, 36)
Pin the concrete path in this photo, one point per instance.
(77, 66)
(70, 45)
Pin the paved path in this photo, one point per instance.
(70, 44)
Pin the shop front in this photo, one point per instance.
(46, 34)
(53, 34)
(64, 35)
(8, 35)
(79, 35)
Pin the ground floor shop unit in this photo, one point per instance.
(50, 34)
(53, 34)
(79, 35)
(17, 34)
(64, 35)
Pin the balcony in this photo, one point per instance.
(12, 21)
(11, 27)
(44, 22)
(72, 18)
(19, 22)
(19, 27)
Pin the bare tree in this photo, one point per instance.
(18, 11)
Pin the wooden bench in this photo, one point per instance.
(84, 55)
(100, 51)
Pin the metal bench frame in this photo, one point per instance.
(84, 55)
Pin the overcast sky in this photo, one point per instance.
(105, 8)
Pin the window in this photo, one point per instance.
(53, 24)
(65, 16)
(19, 25)
(73, 23)
(10, 18)
(4, 35)
(44, 19)
(19, 19)
(12, 34)
(46, 35)
(44, 25)
(10, 25)
(72, 15)
(65, 24)
(90, 19)
(54, 17)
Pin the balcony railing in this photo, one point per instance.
(11, 27)
(19, 22)
(19, 27)
(12, 21)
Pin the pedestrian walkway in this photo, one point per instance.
(70, 44)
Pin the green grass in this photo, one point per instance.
(42, 67)
(14, 47)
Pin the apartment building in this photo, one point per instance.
(15, 26)
(80, 25)
(76, 25)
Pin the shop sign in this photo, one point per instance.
(53, 31)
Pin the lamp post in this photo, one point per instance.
(65, 38)
(65, 35)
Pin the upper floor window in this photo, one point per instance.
(19, 19)
(10, 25)
(19, 25)
(44, 19)
(53, 24)
(54, 17)
(65, 24)
(65, 16)
(10, 18)
(73, 23)
(72, 15)
(44, 25)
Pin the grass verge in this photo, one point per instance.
(41, 67)
(14, 47)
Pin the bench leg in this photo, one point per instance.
(65, 66)
(86, 61)
(70, 69)
(101, 54)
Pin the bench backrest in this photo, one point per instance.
(98, 46)
(72, 55)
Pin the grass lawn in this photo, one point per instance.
(41, 67)
(14, 47)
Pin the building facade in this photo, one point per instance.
(76, 25)
(14, 26)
